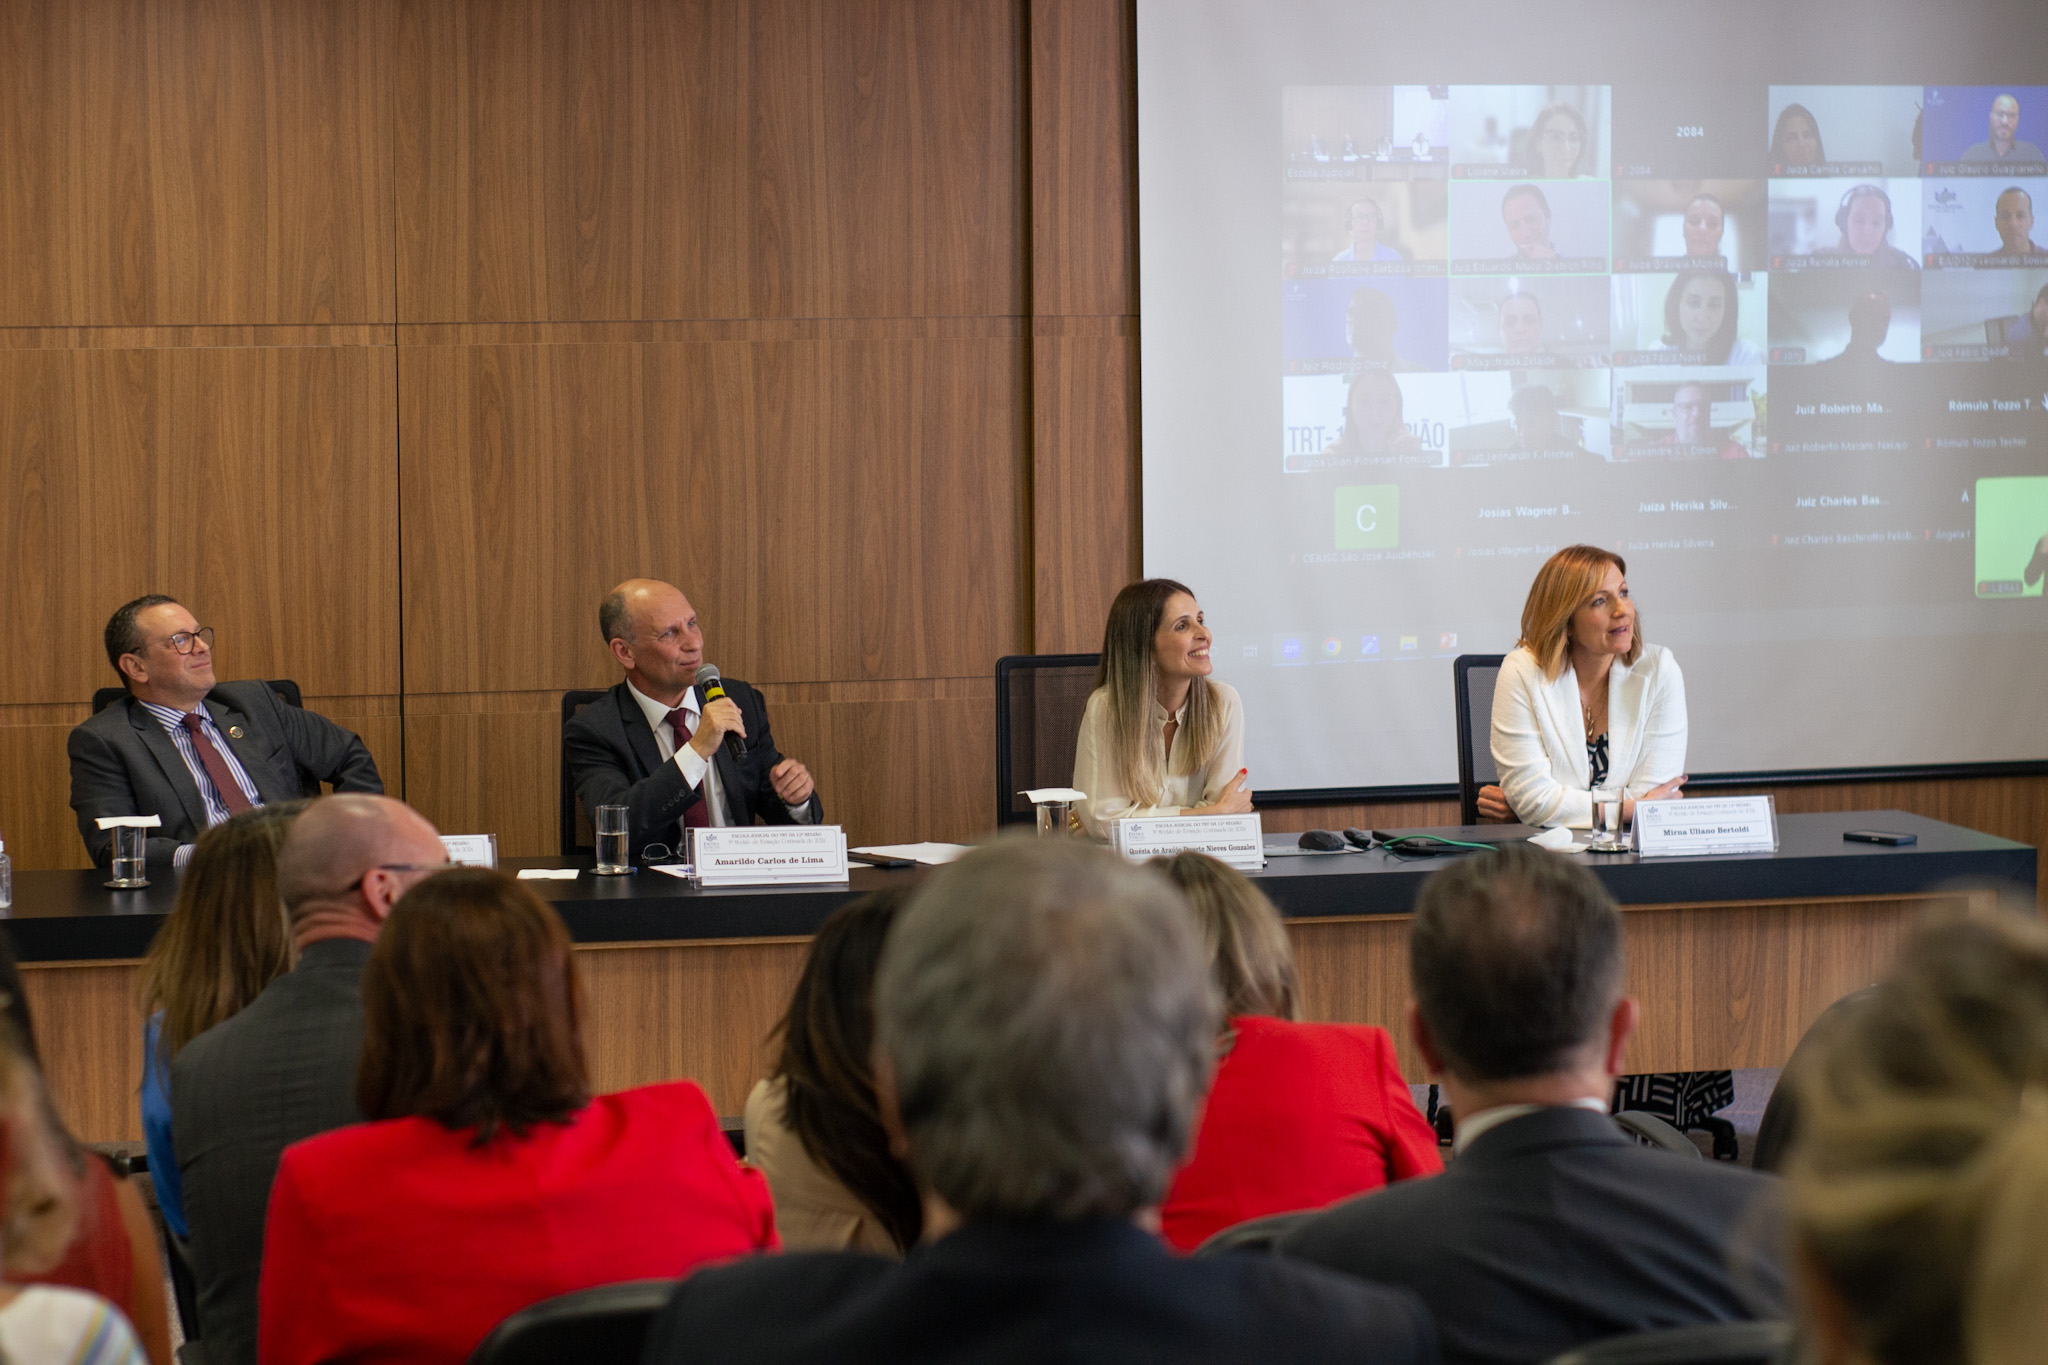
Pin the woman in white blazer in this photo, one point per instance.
(1582, 703)
(1159, 737)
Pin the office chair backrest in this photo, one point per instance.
(602, 1326)
(1040, 699)
(578, 835)
(1714, 1343)
(287, 692)
(1473, 677)
(1254, 1234)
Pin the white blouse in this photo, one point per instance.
(1095, 769)
(1539, 734)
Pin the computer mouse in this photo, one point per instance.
(1323, 841)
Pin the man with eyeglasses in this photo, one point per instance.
(656, 744)
(284, 1069)
(191, 750)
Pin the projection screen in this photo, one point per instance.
(1749, 293)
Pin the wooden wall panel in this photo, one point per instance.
(257, 484)
(1084, 486)
(195, 161)
(836, 510)
(1084, 158)
(569, 160)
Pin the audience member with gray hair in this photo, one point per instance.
(284, 1068)
(1551, 1228)
(1045, 1028)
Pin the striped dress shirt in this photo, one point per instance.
(173, 721)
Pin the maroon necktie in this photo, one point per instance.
(216, 766)
(697, 816)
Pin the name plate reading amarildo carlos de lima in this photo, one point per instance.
(1706, 825)
(779, 855)
(1238, 840)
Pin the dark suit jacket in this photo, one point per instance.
(1031, 1292)
(282, 1070)
(1556, 1229)
(614, 761)
(122, 763)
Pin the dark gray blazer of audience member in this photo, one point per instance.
(1075, 1292)
(282, 1070)
(123, 763)
(1556, 1229)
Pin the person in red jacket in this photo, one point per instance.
(489, 1178)
(1300, 1115)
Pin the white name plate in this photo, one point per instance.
(1706, 825)
(1238, 840)
(471, 850)
(769, 855)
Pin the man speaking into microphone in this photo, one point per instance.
(674, 743)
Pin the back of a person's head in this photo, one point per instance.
(1516, 962)
(225, 939)
(335, 841)
(1249, 956)
(39, 1200)
(1919, 1178)
(1046, 1011)
(471, 1009)
(827, 1064)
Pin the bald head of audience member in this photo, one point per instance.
(1516, 960)
(1045, 1030)
(346, 862)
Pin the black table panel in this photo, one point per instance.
(71, 916)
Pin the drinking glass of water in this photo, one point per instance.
(1607, 821)
(131, 843)
(611, 842)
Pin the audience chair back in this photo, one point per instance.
(1652, 1131)
(1254, 1234)
(1473, 677)
(1040, 699)
(578, 835)
(1780, 1125)
(1716, 1343)
(602, 1326)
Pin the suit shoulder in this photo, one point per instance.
(1350, 1316)
(595, 718)
(107, 722)
(732, 1310)
(1351, 1232)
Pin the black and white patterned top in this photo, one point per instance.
(1596, 760)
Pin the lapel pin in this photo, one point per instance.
(234, 732)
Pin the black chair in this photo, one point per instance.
(1714, 1343)
(1652, 1131)
(602, 1326)
(1040, 699)
(1254, 1234)
(1780, 1123)
(1474, 676)
(578, 834)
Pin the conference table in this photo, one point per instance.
(1731, 956)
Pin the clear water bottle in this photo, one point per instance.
(6, 879)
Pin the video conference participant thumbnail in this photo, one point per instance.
(1982, 224)
(1338, 325)
(1539, 322)
(1692, 317)
(1675, 224)
(1854, 317)
(1984, 314)
(1366, 419)
(1360, 132)
(1533, 417)
(1682, 413)
(2012, 537)
(1527, 228)
(1836, 130)
(1334, 228)
(1844, 223)
(1970, 130)
(1689, 131)
(1529, 132)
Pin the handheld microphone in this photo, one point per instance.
(710, 689)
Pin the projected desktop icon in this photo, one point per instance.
(1369, 646)
(1447, 640)
(1290, 649)
(1332, 647)
(1410, 643)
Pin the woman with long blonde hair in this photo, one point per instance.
(1582, 703)
(1159, 736)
